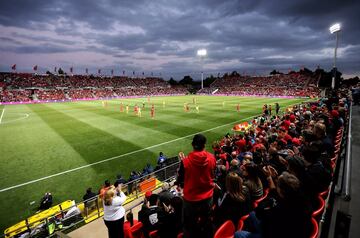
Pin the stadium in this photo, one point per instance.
(131, 127)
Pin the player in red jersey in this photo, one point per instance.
(152, 111)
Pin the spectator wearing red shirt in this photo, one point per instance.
(196, 176)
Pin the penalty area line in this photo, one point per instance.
(2, 115)
(123, 155)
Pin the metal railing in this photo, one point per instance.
(347, 196)
(92, 209)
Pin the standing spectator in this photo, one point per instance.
(114, 211)
(196, 176)
(277, 108)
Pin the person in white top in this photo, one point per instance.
(114, 211)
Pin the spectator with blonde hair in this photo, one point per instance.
(114, 211)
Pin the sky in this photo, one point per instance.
(163, 36)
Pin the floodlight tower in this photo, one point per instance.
(336, 28)
(202, 53)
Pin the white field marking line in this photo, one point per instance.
(2, 114)
(25, 115)
(123, 155)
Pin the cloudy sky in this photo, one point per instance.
(162, 36)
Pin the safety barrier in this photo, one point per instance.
(68, 215)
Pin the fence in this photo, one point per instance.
(69, 215)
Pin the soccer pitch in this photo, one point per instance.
(64, 148)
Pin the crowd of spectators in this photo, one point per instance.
(52, 94)
(16, 87)
(271, 174)
(295, 84)
(17, 95)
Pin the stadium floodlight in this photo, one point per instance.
(336, 28)
(202, 53)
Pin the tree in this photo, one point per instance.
(274, 72)
(172, 81)
(60, 71)
(209, 80)
(234, 73)
(326, 78)
(186, 80)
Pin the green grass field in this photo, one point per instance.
(40, 140)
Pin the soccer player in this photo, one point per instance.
(163, 104)
(152, 112)
(121, 107)
(238, 107)
(194, 100)
(197, 108)
(143, 105)
(136, 109)
(127, 109)
(139, 112)
(223, 103)
(187, 107)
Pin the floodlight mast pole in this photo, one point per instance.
(335, 29)
(202, 53)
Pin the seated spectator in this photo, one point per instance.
(46, 201)
(285, 213)
(316, 177)
(120, 179)
(128, 224)
(252, 181)
(104, 188)
(235, 167)
(152, 216)
(165, 195)
(89, 200)
(172, 224)
(234, 203)
(161, 160)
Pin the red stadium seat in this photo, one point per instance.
(226, 230)
(319, 211)
(325, 193)
(154, 234)
(240, 225)
(243, 218)
(315, 228)
(256, 202)
(136, 230)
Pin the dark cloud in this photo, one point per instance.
(165, 34)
